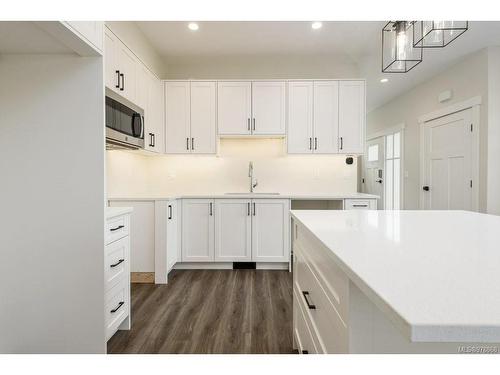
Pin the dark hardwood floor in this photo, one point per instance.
(211, 311)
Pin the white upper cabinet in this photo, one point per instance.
(197, 230)
(154, 124)
(300, 117)
(203, 117)
(270, 230)
(326, 117)
(352, 115)
(233, 227)
(190, 117)
(177, 121)
(127, 65)
(268, 108)
(234, 108)
(90, 31)
(111, 43)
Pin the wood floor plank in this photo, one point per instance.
(211, 311)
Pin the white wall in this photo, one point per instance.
(466, 79)
(493, 174)
(134, 39)
(51, 204)
(268, 67)
(133, 175)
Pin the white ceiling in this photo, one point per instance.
(356, 41)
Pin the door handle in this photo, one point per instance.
(117, 263)
(426, 188)
(210, 209)
(169, 212)
(248, 209)
(117, 307)
(309, 305)
(253, 206)
(154, 140)
(192, 144)
(254, 123)
(123, 82)
(379, 181)
(150, 139)
(248, 124)
(310, 143)
(118, 77)
(187, 143)
(315, 143)
(341, 143)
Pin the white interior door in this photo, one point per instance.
(326, 117)
(177, 121)
(233, 230)
(447, 175)
(268, 108)
(300, 117)
(203, 117)
(234, 103)
(374, 169)
(197, 230)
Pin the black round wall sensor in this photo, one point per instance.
(349, 160)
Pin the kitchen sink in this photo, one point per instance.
(252, 193)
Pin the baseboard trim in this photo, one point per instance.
(142, 277)
(227, 266)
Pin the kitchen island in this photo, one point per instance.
(396, 281)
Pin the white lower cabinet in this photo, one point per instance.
(360, 204)
(172, 233)
(117, 275)
(270, 230)
(198, 230)
(235, 230)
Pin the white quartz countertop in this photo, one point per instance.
(117, 211)
(436, 274)
(294, 196)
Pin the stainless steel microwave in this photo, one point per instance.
(124, 126)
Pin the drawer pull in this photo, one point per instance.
(118, 227)
(117, 263)
(360, 205)
(311, 306)
(305, 351)
(117, 307)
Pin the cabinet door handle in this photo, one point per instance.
(248, 209)
(116, 228)
(117, 307)
(310, 143)
(310, 305)
(341, 143)
(118, 78)
(253, 206)
(117, 263)
(254, 123)
(150, 139)
(123, 82)
(305, 351)
(210, 208)
(248, 124)
(154, 140)
(169, 212)
(315, 143)
(187, 143)
(192, 144)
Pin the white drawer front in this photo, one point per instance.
(360, 204)
(301, 328)
(332, 279)
(117, 228)
(116, 308)
(116, 262)
(326, 321)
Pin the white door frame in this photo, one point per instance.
(475, 105)
(382, 133)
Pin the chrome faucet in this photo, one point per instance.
(250, 174)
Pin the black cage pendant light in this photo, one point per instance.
(435, 34)
(399, 55)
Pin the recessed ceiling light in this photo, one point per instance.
(193, 26)
(316, 25)
(384, 80)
